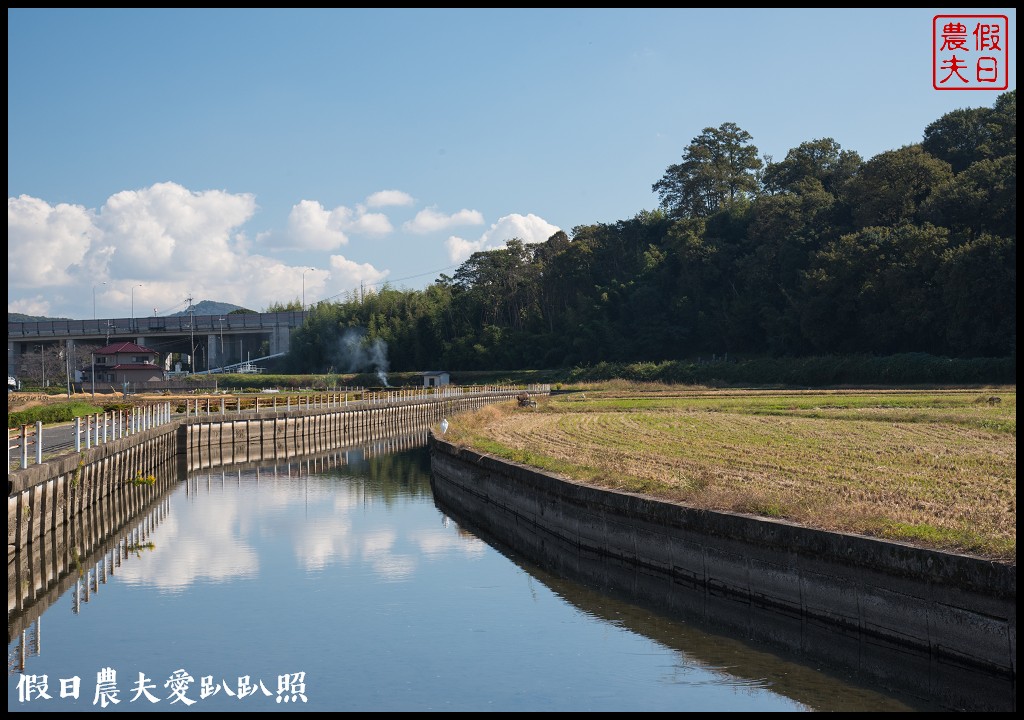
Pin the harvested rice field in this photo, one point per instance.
(933, 468)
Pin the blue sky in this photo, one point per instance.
(259, 156)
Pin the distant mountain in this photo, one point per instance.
(204, 307)
(209, 307)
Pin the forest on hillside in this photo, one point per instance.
(822, 252)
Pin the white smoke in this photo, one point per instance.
(356, 354)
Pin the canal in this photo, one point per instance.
(337, 583)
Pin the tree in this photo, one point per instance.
(293, 306)
(978, 281)
(891, 186)
(960, 137)
(981, 199)
(43, 365)
(823, 160)
(875, 290)
(719, 166)
(966, 136)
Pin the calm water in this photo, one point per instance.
(338, 584)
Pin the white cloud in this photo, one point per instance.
(45, 243)
(157, 246)
(430, 220)
(147, 250)
(347, 276)
(167, 230)
(528, 228)
(371, 223)
(386, 198)
(460, 249)
(312, 227)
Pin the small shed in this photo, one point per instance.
(435, 378)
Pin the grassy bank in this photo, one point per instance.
(935, 468)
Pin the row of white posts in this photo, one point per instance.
(199, 406)
(95, 429)
(106, 427)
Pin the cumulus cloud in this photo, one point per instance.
(152, 246)
(171, 228)
(371, 223)
(148, 250)
(528, 228)
(313, 227)
(46, 243)
(386, 198)
(347, 276)
(430, 220)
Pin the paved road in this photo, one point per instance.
(57, 439)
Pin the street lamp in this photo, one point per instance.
(306, 270)
(94, 300)
(133, 303)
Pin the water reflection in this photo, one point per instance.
(726, 632)
(341, 567)
(79, 558)
(706, 655)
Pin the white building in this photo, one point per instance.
(435, 378)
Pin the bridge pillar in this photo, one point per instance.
(13, 358)
(215, 343)
(280, 339)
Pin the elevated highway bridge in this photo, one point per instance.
(215, 340)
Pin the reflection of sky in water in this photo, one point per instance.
(230, 516)
(204, 544)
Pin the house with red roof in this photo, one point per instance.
(121, 363)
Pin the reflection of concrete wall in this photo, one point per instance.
(41, 572)
(949, 609)
(46, 497)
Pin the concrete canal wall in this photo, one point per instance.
(46, 496)
(952, 610)
(212, 440)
